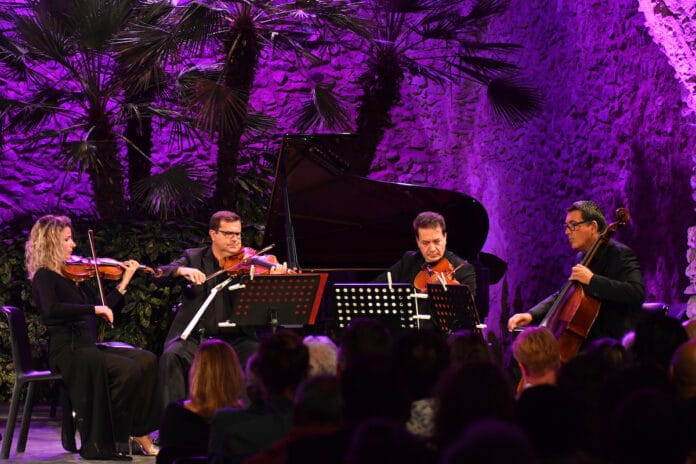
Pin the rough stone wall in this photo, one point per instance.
(614, 129)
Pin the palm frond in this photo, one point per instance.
(12, 58)
(218, 107)
(323, 109)
(181, 188)
(513, 101)
(261, 123)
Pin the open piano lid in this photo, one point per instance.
(341, 220)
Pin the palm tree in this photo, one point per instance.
(60, 51)
(434, 40)
(84, 83)
(243, 31)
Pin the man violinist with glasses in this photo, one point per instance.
(194, 265)
(613, 276)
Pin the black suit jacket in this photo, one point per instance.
(219, 309)
(618, 284)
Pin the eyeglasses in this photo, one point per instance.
(573, 225)
(229, 233)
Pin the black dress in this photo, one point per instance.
(111, 389)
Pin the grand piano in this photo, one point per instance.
(325, 218)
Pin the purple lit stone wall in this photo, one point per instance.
(614, 129)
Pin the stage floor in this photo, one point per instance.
(43, 441)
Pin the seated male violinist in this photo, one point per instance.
(613, 276)
(224, 253)
(432, 260)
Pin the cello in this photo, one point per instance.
(573, 313)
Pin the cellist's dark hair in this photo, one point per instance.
(590, 212)
(429, 220)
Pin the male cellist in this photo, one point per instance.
(613, 276)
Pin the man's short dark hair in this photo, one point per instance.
(590, 212)
(429, 220)
(227, 216)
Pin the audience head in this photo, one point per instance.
(551, 421)
(322, 355)
(318, 401)
(536, 352)
(282, 363)
(373, 388)
(215, 364)
(421, 356)
(363, 338)
(490, 441)
(657, 337)
(467, 393)
(683, 369)
(468, 346)
(380, 440)
(648, 426)
(608, 351)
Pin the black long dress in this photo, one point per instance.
(111, 389)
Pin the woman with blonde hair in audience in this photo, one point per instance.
(216, 380)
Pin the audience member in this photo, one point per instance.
(469, 392)
(536, 352)
(363, 338)
(683, 373)
(236, 434)
(317, 411)
(369, 388)
(322, 355)
(215, 381)
(550, 420)
(490, 441)
(380, 440)
(421, 357)
(647, 427)
(656, 339)
(468, 346)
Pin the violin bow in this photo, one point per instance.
(90, 234)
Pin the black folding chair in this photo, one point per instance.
(25, 374)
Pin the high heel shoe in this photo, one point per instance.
(144, 445)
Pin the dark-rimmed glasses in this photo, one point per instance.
(573, 225)
(229, 233)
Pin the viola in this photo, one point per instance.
(441, 272)
(79, 269)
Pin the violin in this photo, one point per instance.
(441, 272)
(79, 269)
(242, 263)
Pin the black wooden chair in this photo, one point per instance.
(25, 374)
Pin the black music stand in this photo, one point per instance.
(287, 300)
(452, 308)
(395, 306)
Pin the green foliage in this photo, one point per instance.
(146, 315)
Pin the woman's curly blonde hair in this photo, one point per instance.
(44, 247)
